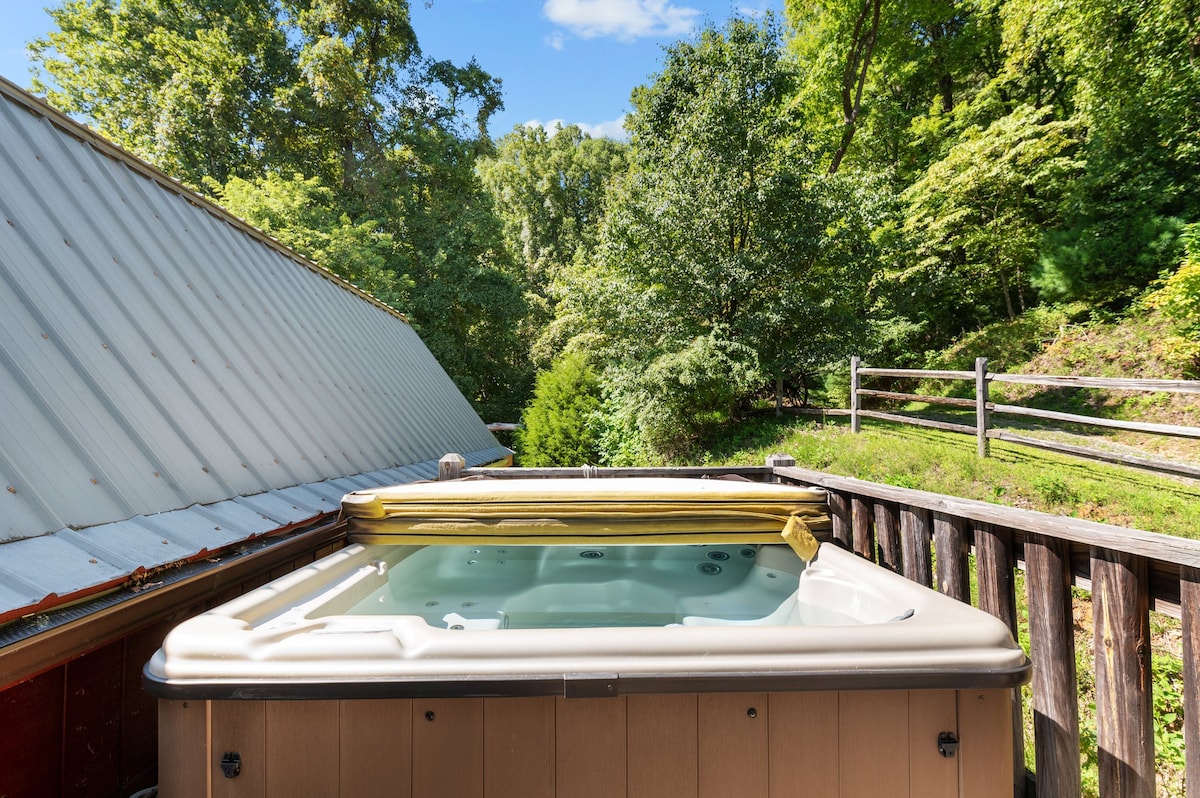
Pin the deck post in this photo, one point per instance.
(994, 563)
(860, 528)
(778, 460)
(950, 544)
(1189, 589)
(982, 443)
(451, 466)
(1124, 713)
(855, 421)
(839, 513)
(1052, 649)
(887, 533)
(915, 537)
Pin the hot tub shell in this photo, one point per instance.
(901, 691)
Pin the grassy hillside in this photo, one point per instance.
(1047, 342)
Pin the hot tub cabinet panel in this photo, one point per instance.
(867, 744)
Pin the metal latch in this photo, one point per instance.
(947, 744)
(231, 764)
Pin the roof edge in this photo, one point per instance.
(40, 107)
(235, 522)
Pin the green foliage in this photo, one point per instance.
(1167, 696)
(549, 191)
(1007, 344)
(191, 87)
(558, 426)
(304, 214)
(1179, 294)
(669, 409)
(1054, 490)
(720, 232)
(976, 218)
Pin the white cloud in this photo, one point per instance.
(611, 130)
(614, 129)
(624, 19)
(555, 40)
(753, 12)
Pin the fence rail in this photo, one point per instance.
(984, 430)
(928, 538)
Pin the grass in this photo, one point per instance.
(944, 462)
(1016, 476)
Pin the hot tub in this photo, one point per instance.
(588, 637)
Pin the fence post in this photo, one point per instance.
(778, 461)
(981, 409)
(855, 423)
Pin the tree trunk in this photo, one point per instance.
(854, 78)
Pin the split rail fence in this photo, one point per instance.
(984, 429)
(928, 538)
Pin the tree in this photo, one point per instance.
(189, 86)
(976, 219)
(715, 242)
(549, 190)
(304, 213)
(558, 427)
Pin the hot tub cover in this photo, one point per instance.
(616, 510)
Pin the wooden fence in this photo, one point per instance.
(984, 429)
(928, 537)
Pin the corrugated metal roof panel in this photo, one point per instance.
(74, 562)
(57, 567)
(173, 381)
(156, 354)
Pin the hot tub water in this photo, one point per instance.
(554, 587)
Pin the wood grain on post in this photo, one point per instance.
(887, 532)
(861, 528)
(950, 543)
(1052, 649)
(994, 564)
(451, 466)
(1124, 713)
(777, 461)
(915, 538)
(839, 512)
(1189, 590)
(981, 406)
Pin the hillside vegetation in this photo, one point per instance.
(1014, 475)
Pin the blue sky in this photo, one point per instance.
(569, 60)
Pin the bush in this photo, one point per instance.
(559, 425)
(668, 410)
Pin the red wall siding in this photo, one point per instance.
(85, 729)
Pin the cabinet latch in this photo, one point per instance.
(947, 744)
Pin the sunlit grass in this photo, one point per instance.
(947, 463)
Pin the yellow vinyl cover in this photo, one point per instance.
(577, 510)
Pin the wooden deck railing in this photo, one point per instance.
(985, 429)
(928, 537)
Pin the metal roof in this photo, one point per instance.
(173, 380)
